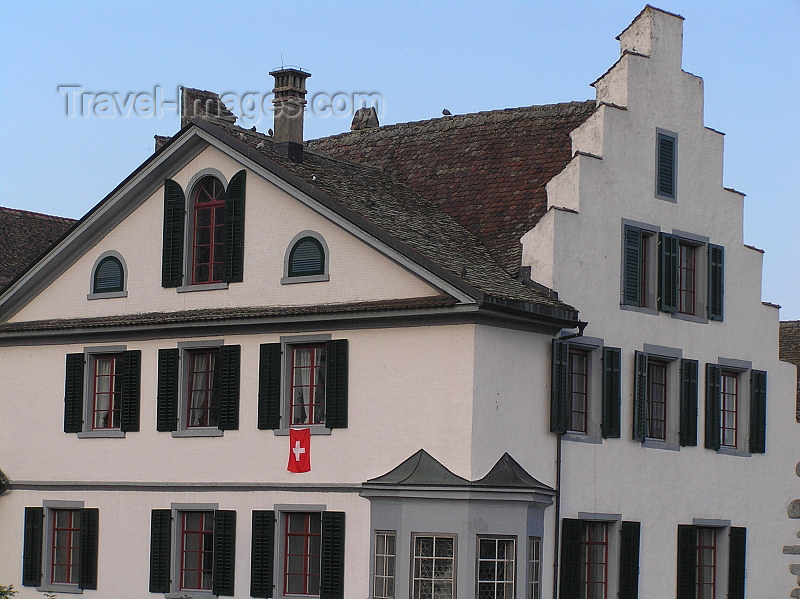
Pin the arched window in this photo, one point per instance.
(109, 276)
(307, 258)
(208, 233)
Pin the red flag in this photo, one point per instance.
(299, 450)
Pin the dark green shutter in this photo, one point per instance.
(570, 573)
(668, 272)
(32, 547)
(758, 411)
(172, 249)
(233, 265)
(224, 552)
(331, 584)
(666, 166)
(633, 267)
(612, 358)
(262, 553)
(87, 577)
(559, 388)
(73, 394)
(688, 431)
(336, 371)
(713, 416)
(629, 561)
(160, 550)
(736, 562)
(269, 386)
(229, 365)
(167, 401)
(130, 396)
(640, 397)
(687, 561)
(716, 281)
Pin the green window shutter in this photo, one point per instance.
(172, 249)
(666, 172)
(331, 585)
(687, 561)
(130, 396)
(336, 371)
(224, 552)
(736, 562)
(612, 358)
(32, 547)
(713, 416)
(167, 401)
(688, 431)
(559, 388)
(87, 577)
(668, 272)
(233, 256)
(640, 397)
(160, 550)
(569, 576)
(758, 411)
(269, 386)
(262, 553)
(632, 269)
(73, 394)
(229, 366)
(716, 281)
(629, 560)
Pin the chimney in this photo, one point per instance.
(289, 104)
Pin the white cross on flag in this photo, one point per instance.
(299, 450)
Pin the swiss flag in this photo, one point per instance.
(299, 450)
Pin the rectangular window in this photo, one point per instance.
(594, 560)
(106, 391)
(197, 550)
(687, 270)
(729, 400)
(307, 388)
(65, 546)
(434, 567)
(579, 390)
(202, 407)
(534, 568)
(496, 560)
(385, 554)
(706, 576)
(302, 551)
(656, 400)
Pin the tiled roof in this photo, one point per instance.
(24, 236)
(789, 336)
(488, 170)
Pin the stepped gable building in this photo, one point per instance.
(519, 353)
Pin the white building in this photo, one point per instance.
(390, 290)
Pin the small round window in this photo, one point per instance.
(108, 276)
(307, 258)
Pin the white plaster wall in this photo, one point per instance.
(273, 218)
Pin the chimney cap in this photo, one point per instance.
(290, 69)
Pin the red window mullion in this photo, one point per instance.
(657, 400)
(112, 411)
(70, 562)
(207, 387)
(578, 367)
(308, 405)
(706, 575)
(589, 542)
(687, 279)
(306, 535)
(202, 534)
(730, 396)
(209, 197)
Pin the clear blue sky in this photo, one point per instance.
(420, 56)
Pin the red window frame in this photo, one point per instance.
(594, 552)
(687, 275)
(208, 239)
(202, 397)
(729, 404)
(307, 385)
(578, 390)
(106, 392)
(65, 546)
(197, 550)
(302, 553)
(657, 400)
(706, 575)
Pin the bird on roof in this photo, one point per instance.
(270, 132)
(446, 112)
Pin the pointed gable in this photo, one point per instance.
(507, 473)
(421, 469)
